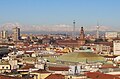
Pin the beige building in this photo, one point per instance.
(103, 49)
(4, 67)
(110, 35)
(13, 64)
(16, 34)
(116, 47)
(39, 74)
(4, 34)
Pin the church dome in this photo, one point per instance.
(84, 57)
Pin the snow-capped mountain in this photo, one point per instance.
(50, 28)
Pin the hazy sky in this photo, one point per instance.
(85, 12)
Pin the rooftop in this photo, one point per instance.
(55, 76)
(98, 75)
(40, 71)
(58, 68)
(81, 57)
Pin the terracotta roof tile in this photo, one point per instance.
(98, 75)
(105, 43)
(108, 66)
(11, 77)
(55, 76)
(41, 71)
(58, 68)
(27, 66)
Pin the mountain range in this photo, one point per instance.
(50, 28)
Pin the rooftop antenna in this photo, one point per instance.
(73, 35)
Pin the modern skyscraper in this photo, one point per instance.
(16, 34)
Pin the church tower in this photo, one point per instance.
(82, 35)
(81, 40)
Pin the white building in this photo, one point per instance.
(118, 34)
(109, 35)
(117, 59)
(116, 47)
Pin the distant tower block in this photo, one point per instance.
(97, 33)
(4, 34)
(16, 34)
(73, 34)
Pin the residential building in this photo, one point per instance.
(16, 34)
(4, 34)
(116, 47)
(111, 35)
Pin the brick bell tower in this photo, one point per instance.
(81, 40)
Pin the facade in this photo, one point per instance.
(16, 34)
(118, 34)
(116, 47)
(102, 49)
(109, 35)
(4, 34)
(13, 64)
(5, 67)
(39, 74)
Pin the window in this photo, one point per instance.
(6, 67)
(2, 67)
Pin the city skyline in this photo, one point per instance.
(59, 39)
(42, 12)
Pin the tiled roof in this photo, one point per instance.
(41, 71)
(108, 66)
(58, 68)
(105, 43)
(55, 76)
(11, 77)
(98, 75)
(107, 56)
(27, 66)
(29, 52)
(67, 41)
(81, 57)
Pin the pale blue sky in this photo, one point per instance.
(85, 12)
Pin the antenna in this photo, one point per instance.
(73, 35)
(97, 33)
